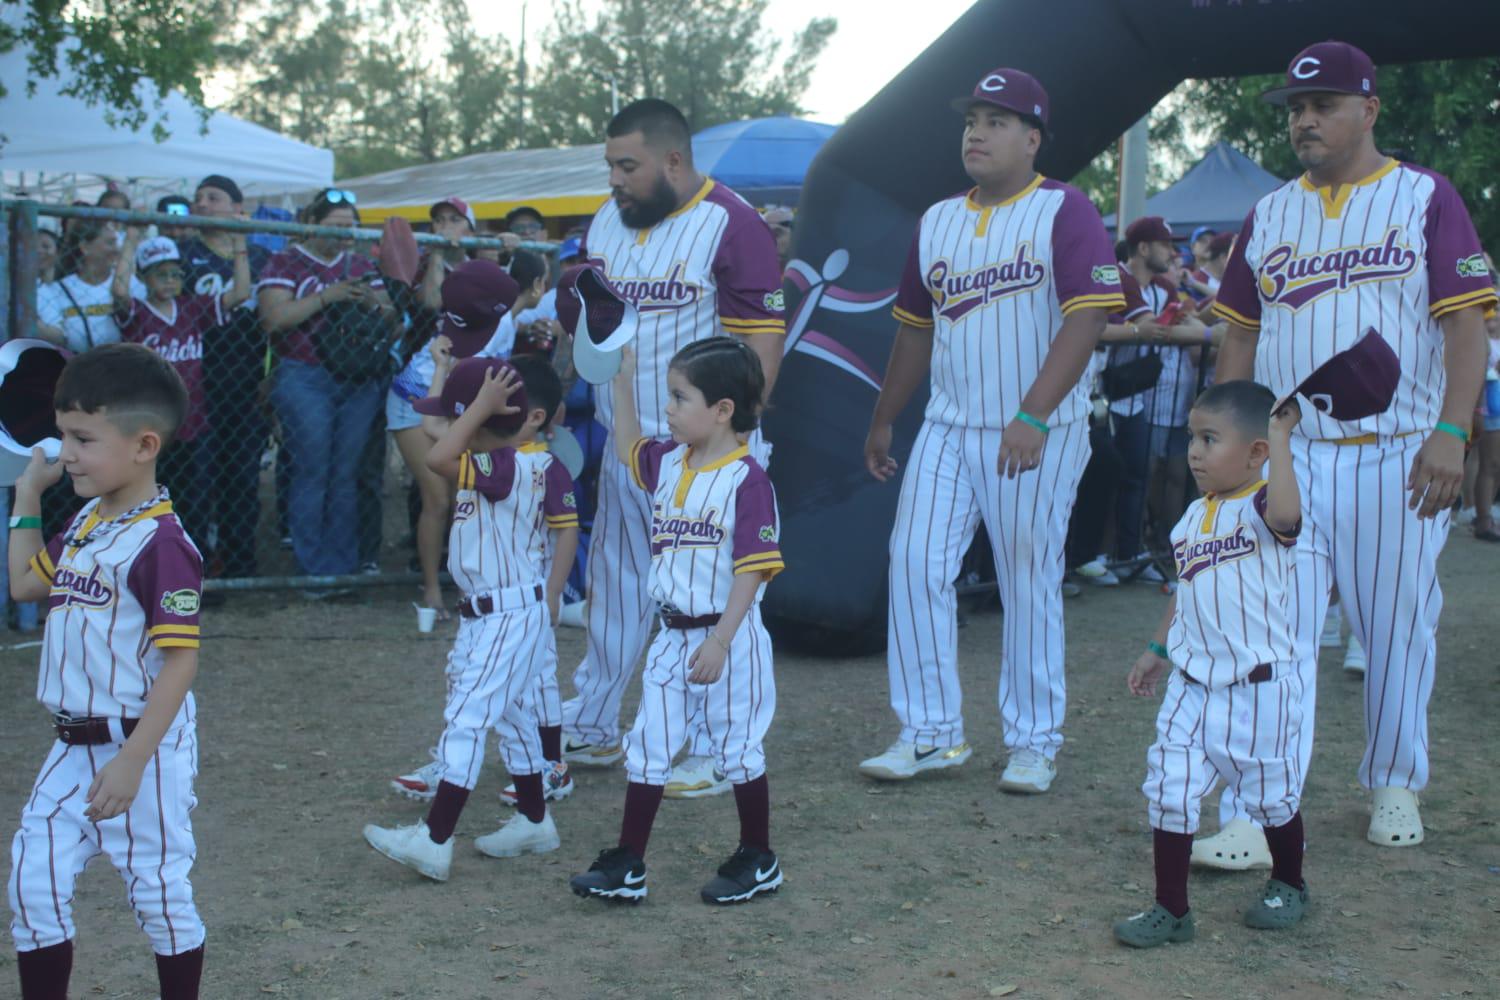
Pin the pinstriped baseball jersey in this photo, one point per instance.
(115, 605)
(994, 283)
(508, 501)
(708, 524)
(1313, 269)
(1234, 572)
(709, 266)
(1168, 402)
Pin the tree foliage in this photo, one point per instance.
(109, 49)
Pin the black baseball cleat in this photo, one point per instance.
(748, 871)
(616, 874)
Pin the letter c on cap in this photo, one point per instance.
(992, 82)
(1306, 68)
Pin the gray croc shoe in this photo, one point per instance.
(1154, 927)
(1279, 905)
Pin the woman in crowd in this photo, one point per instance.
(325, 414)
(46, 256)
(77, 310)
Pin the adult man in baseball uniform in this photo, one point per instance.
(1003, 299)
(697, 261)
(1359, 241)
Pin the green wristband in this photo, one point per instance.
(22, 523)
(1159, 649)
(1027, 418)
(1455, 430)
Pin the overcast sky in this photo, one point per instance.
(866, 51)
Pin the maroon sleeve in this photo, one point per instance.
(559, 505)
(645, 462)
(1286, 538)
(491, 474)
(757, 529)
(281, 271)
(1084, 271)
(1457, 275)
(360, 265)
(747, 274)
(129, 322)
(913, 301)
(1135, 302)
(167, 579)
(1239, 294)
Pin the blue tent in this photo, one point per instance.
(764, 159)
(1218, 192)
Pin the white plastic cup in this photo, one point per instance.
(426, 618)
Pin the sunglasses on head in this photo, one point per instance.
(177, 209)
(338, 196)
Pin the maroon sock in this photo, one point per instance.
(1174, 852)
(442, 817)
(179, 974)
(1285, 842)
(641, 803)
(753, 799)
(551, 742)
(529, 802)
(45, 972)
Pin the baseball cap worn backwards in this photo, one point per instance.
(476, 294)
(1330, 67)
(462, 388)
(1012, 89)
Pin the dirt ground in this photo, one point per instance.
(943, 887)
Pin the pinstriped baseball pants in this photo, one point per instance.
(949, 486)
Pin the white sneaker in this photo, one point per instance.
(1355, 661)
(412, 846)
(1333, 629)
(422, 783)
(557, 784)
(573, 615)
(696, 778)
(1149, 572)
(1395, 819)
(591, 754)
(1465, 516)
(1098, 573)
(906, 760)
(1238, 847)
(520, 836)
(1028, 772)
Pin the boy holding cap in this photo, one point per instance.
(511, 495)
(174, 324)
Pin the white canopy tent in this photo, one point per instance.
(57, 146)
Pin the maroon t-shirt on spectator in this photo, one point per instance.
(178, 337)
(305, 274)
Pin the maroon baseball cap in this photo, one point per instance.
(458, 205)
(1355, 383)
(1330, 67)
(463, 385)
(1011, 89)
(476, 294)
(1148, 229)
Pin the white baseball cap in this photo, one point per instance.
(156, 250)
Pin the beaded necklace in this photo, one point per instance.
(103, 528)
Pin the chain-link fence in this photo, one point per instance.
(300, 463)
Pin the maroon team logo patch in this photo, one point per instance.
(1293, 280)
(1212, 552)
(958, 292)
(82, 591)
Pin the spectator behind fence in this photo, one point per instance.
(324, 306)
(114, 197)
(174, 204)
(76, 311)
(173, 323)
(46, 256)
(234, 366)
(527, 223)
(780, 219)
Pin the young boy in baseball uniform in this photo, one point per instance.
(714, 545)
(1234, 701)
(119, 655)
(511, 494)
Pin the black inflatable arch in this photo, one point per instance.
(1105, 63)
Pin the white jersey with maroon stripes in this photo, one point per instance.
(994, 284)
(1313, 270)
(508, 501)
(1234, 578)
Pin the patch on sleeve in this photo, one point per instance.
(1473, 266)
(483, 464)
(182, 603)
(768, 533)
(1105, 274)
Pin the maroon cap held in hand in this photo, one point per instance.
(1011, 89)
(476, 294)
(1355, 383)
(1330, 67)
(462, 388)
(1148, 229)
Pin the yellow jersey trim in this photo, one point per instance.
(531, 447)
(1334, 199)
(753, 326)
(1478, 297)
(768, 567)
(562, 520)
(911, 319)
(1213, 500)
(41, 565)
(687, 206)
(1239, 319)
(176, 642)
(94, 520)
(465, 472)
(1111, 301)
(635, 461)
(689, 474)
(185, 628)
(1031, 186)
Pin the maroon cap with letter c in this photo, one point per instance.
(1331, 67)
(1011, 89)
